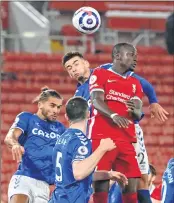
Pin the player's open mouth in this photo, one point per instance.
(76, 75)
(54, 117)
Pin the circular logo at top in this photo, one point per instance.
(92, 80)
(82, 150)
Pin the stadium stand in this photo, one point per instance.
(28, 67)
(32, 71)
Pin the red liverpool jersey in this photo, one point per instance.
(117, 89)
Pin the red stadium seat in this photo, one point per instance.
(104, 48)
(10, 108)
(16, 98)
(151, 50)
(69, 30)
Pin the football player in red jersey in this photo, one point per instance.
(116, 102)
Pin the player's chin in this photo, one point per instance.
(52, 118)
(80, 78)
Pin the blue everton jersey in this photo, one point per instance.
(38, 138)
(168, 183)
(72, 146)
(83, 91)
(115, 194)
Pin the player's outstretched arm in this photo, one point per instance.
(156, 109)
(97, 98)
(11, 140)
(82, 169)
(111, 175)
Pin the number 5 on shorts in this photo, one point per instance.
(58, 167)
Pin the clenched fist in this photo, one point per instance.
(107, 144)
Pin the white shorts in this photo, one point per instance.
(141, 151)
(38, 191)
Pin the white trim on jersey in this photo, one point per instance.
(77, 160)
(97, 89)
(91, 126)
(131, 73)
(18, 128)
(136, 98)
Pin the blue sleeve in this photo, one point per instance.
(167, 193)
(22, 121)
(168, 184)
(79, 150)
(78, 93)
(147, 89)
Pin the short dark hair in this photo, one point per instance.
(70, 55)
(76, 109)
(152, 170)
(116, 49)
(45, 94)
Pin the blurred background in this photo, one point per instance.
(36, 34)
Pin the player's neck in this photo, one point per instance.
(85, 77)
(40, 115)
(118, 69)
(81, 125)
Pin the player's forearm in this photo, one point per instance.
(84, 168)
(136, 114)
(101, 106)
(101, 175)
(10, 139)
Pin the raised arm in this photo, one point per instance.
(156, 109)
(17, 129)
(11, 140)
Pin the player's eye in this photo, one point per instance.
(69, 68)
(131, 54)
(76, 64)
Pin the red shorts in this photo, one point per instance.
(121, 159)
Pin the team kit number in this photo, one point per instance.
(141, 156)
(59, 167)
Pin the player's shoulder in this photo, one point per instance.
(99, 69)
(99, 72)
(79, 137)
(134, 79)
(24, 115)
(106, 65)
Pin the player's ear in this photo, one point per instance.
(40, 105)
(66, 117)
(117, 56)
(153, 178)
(87, 64)
(88, 114)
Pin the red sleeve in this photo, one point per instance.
(97, 80)
(156, 194)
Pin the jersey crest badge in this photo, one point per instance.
(133, 88)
